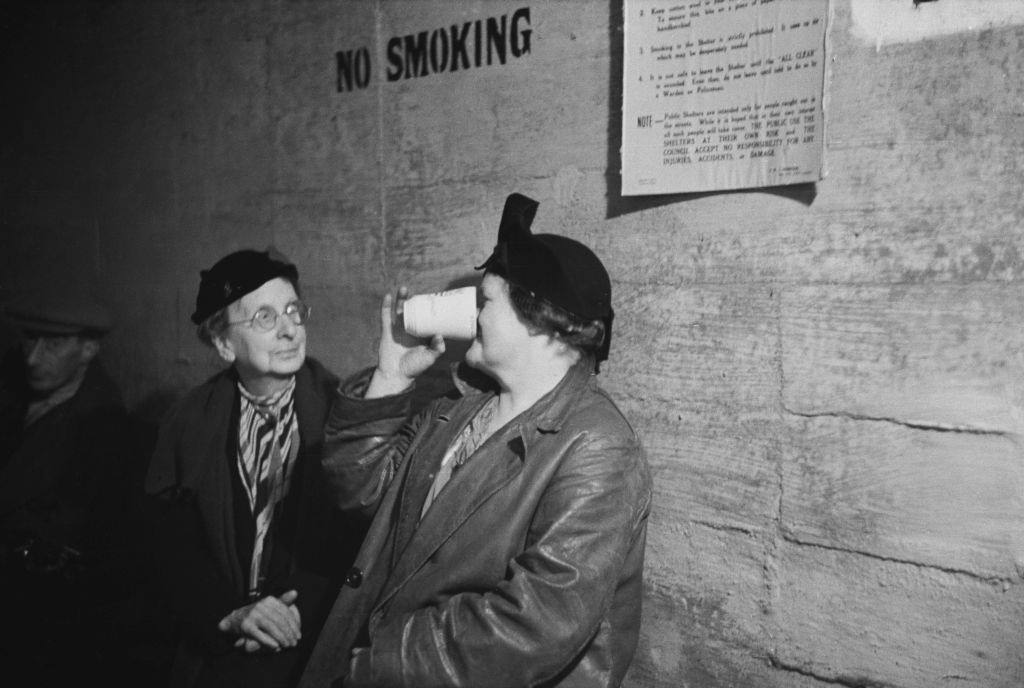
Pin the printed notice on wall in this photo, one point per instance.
(722, 94)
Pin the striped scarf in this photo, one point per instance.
(268, 441)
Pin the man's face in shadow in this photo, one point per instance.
(55, 360)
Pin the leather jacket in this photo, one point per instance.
(527, 568)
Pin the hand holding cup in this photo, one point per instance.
(401, 356)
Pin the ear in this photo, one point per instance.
(563, 350)
(224, 349)
(90, 348)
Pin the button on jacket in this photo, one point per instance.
(527, 568)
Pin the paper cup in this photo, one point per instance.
(450, 314)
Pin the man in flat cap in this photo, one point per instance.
(509, 517)
(65, 459)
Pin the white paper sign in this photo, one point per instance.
(722, 94)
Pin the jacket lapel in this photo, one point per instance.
(446, 426)
(492, 466)
(310, 407)
(496, 462)
(211, 479)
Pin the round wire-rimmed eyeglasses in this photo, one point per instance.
(265, 317)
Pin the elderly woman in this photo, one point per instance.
(245, 545)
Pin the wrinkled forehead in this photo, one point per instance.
(276, 293)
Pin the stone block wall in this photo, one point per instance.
(827, 377)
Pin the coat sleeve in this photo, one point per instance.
(365, 441)
(530, 627)
(185, 570)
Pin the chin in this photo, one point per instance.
(472, 356)
(290, 368)
(475, 361)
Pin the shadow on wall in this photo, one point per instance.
(618, 205)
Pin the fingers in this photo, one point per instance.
(277, 619)
(417, 360)
(248, 645)
(264, 638)
(271, 622)
(437, 345)
(289, 599)
(390, 309)
(386, 316)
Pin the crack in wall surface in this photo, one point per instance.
(914, 425)
(724, 527)
(773, 452)
(847, 681)
(990, 580)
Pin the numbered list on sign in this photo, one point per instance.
(722, 94)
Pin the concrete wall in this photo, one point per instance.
(827, 377)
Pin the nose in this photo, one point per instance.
(286, 327)
(33, 351)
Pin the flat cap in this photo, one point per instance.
(237, 274)
(59, 311)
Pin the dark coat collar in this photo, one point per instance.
(310, 398)
(45, 447)
(205, 432)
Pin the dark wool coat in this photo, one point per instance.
(64, 478)
(525, 571)
(66, 536)
(203, 531)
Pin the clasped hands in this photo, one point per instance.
(270, 624)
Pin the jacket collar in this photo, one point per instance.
(308, 398)
(549, 412)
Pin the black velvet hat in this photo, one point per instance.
(557, 269)
(237, 274)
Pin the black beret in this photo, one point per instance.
(59, 310)
(237, 274)
(557, 269)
